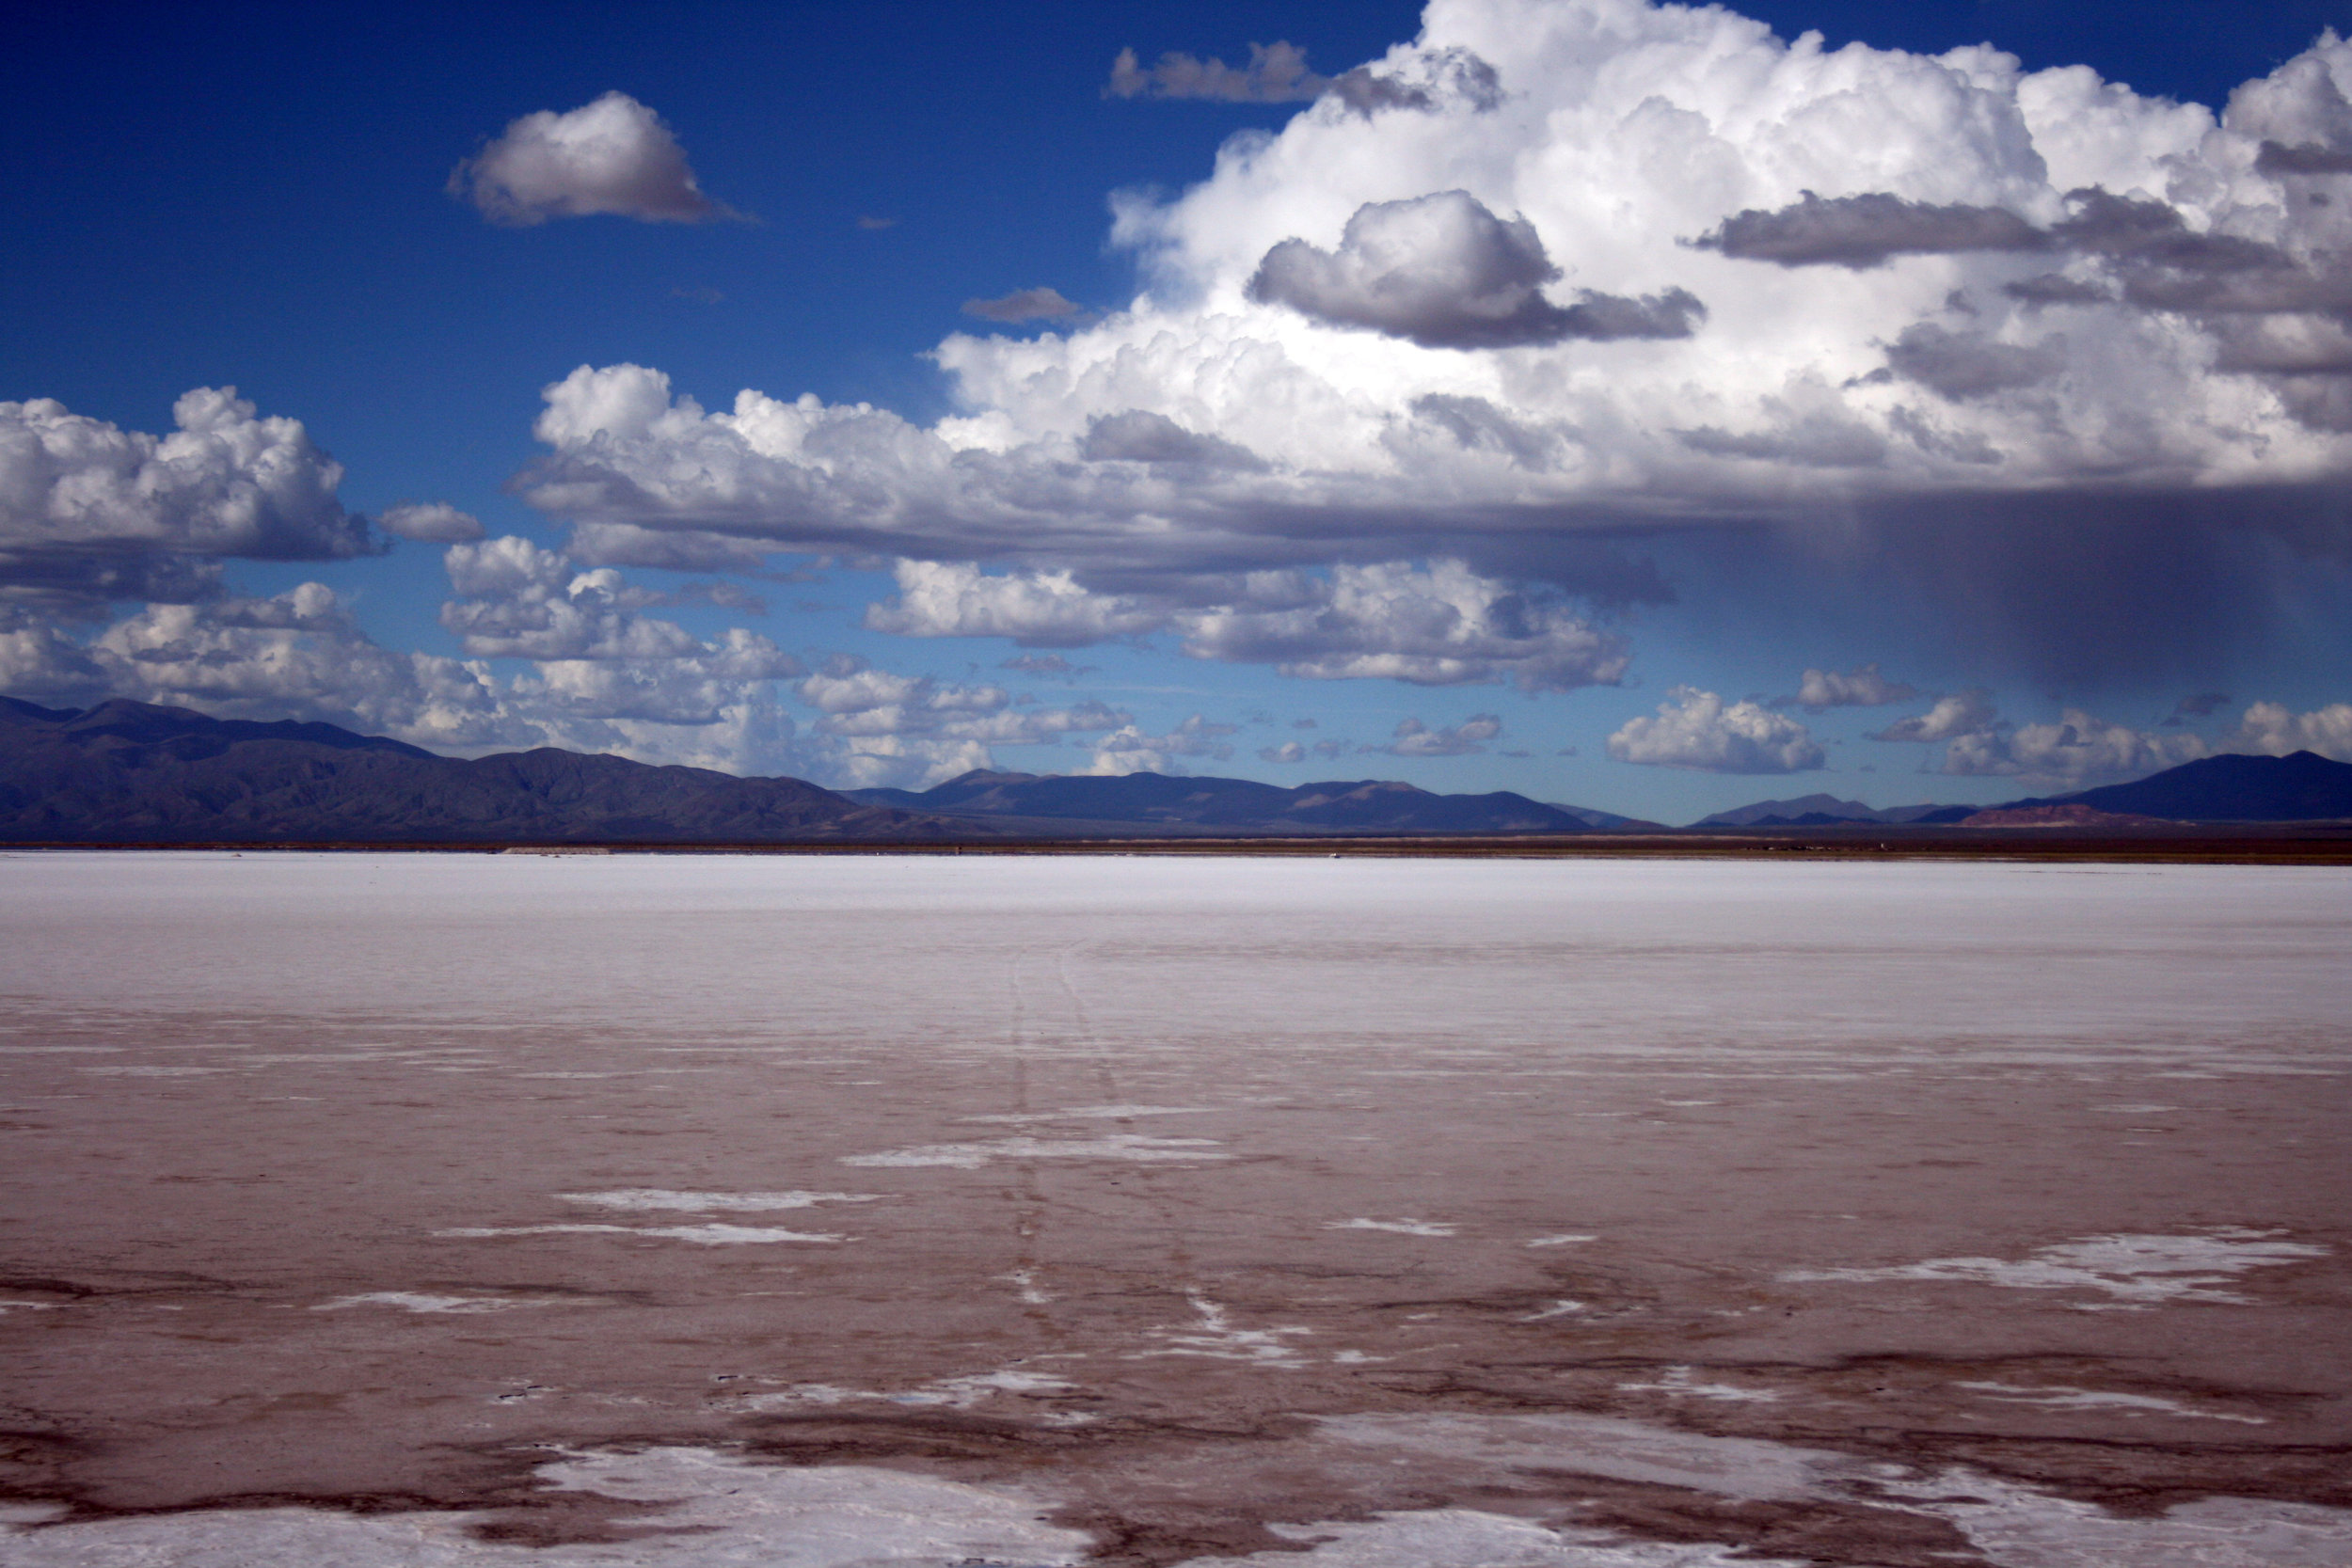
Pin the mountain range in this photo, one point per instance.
(1817, 811)
(1241, 805)
(134, 772)
(2301, 787)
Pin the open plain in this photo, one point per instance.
(399, 1209)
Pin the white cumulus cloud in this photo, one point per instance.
(1417, 739)
(2075, 752)
(1962, 712)
(90, 511)
(612, 156)
(2272, 729)
(436, 522)
(1470, 327)
(1863, 688)
(1699, 730)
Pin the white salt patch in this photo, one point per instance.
(1118, 1146)
(1401, 1228)
(27, 1307)
(711, 1203)
(1098, 1113)
(1357, 1358)
(1681, 1382)
(2139, 1271)
(1561, 1241)
(956, 1393)
(708, 1235)
(1465, 1538)
(2020, 1529)
(726, 1513)
(1215, 1338)
(1557, 1309)
(2088, 1398)
(1026, 1282)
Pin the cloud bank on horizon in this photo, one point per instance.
(1407, 386)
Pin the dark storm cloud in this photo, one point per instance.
(1964, 365)
(2277, 158)
(1863, 232)
(1138, 437)
(1444, 272)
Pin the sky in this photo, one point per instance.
(1641, 408)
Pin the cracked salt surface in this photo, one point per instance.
(2139, 1271)
(1118, 1146)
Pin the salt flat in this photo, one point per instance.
(423, 1209)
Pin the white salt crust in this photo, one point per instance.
(2135, 1271)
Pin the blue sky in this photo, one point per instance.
(1383, 431)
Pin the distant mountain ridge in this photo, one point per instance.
(1812, 811)
(1241, 805)
(134, 772)
(2235, 787)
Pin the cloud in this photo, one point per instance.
(1444, 272)
(2098, 421)
(1138, 437)
(1699, 730)
(1962, 713)
(613, 156)
(1866, 230)
(1438, 625)
(1041, 610)
(1025, 305)
(2277, 158)
(1129, 749)
(1047, 666)
(438, 523)
(1289, 751)
(1277, 74)
(880, 728)
(1417, 739)
(1441, 626)
(1962, 365)
(518, 600)
(1864, 688)
(299, 654)
(2076, 753)
(2271, 729)
(2197, 705)
(90, 511)
(1428, 81)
